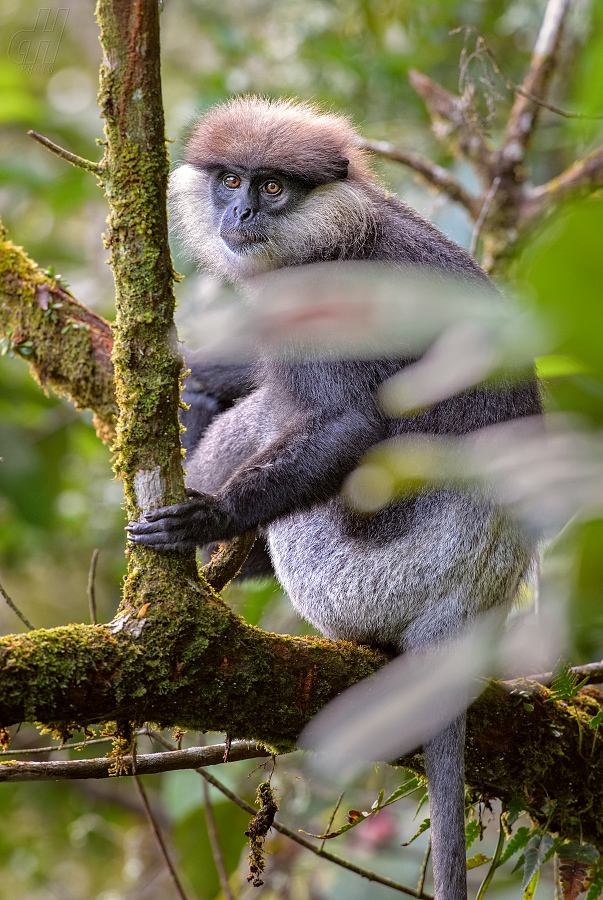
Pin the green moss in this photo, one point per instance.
(43, 323)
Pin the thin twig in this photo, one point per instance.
(15, 609)
(495, 861)
(482, 214)
(91, 590)
(332, 819)
(432, 173)
(28, 751)
(282, 829)
(155, 827)
(324, 854)
(76, 745)
(593, 672)
(147, 763)
(516, 88)
(216, 850)
(583, 176)
(423, 872)
(79, 161)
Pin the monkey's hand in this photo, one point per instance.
(197, 521)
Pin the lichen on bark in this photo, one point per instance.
(67, 346)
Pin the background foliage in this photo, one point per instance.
(57, 497)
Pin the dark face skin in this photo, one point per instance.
(247, 202)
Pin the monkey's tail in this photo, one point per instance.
(445, 768)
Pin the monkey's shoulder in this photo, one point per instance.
(401, 234)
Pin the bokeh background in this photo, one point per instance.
(58, 498)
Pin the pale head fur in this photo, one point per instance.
(283, 136)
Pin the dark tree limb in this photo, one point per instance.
(433, 174)
(454, 124)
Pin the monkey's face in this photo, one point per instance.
(242, 222)
(248, 205)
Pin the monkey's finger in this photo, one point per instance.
(161, 542)
(159, 526)
(156, 536)
(179, 509)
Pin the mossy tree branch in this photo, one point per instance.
(67, 346)
(203, 668)
(543, 752)
(135, 164)
(188, 662)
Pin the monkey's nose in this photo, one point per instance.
(245, 214)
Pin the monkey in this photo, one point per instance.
(268, 185)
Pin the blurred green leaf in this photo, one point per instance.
(564, 267)
(554, 366)
(478, 860)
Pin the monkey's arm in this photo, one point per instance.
(304, 465)
(210, 389)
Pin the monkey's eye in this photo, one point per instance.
(272, 187)
(231, 181)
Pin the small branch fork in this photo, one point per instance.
(506, 209)
(78, 161)
(294, 836)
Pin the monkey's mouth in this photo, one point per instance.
(239, 241)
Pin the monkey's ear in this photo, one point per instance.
(342, 168)
(316, 167)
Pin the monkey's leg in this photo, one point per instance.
(444, 765)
